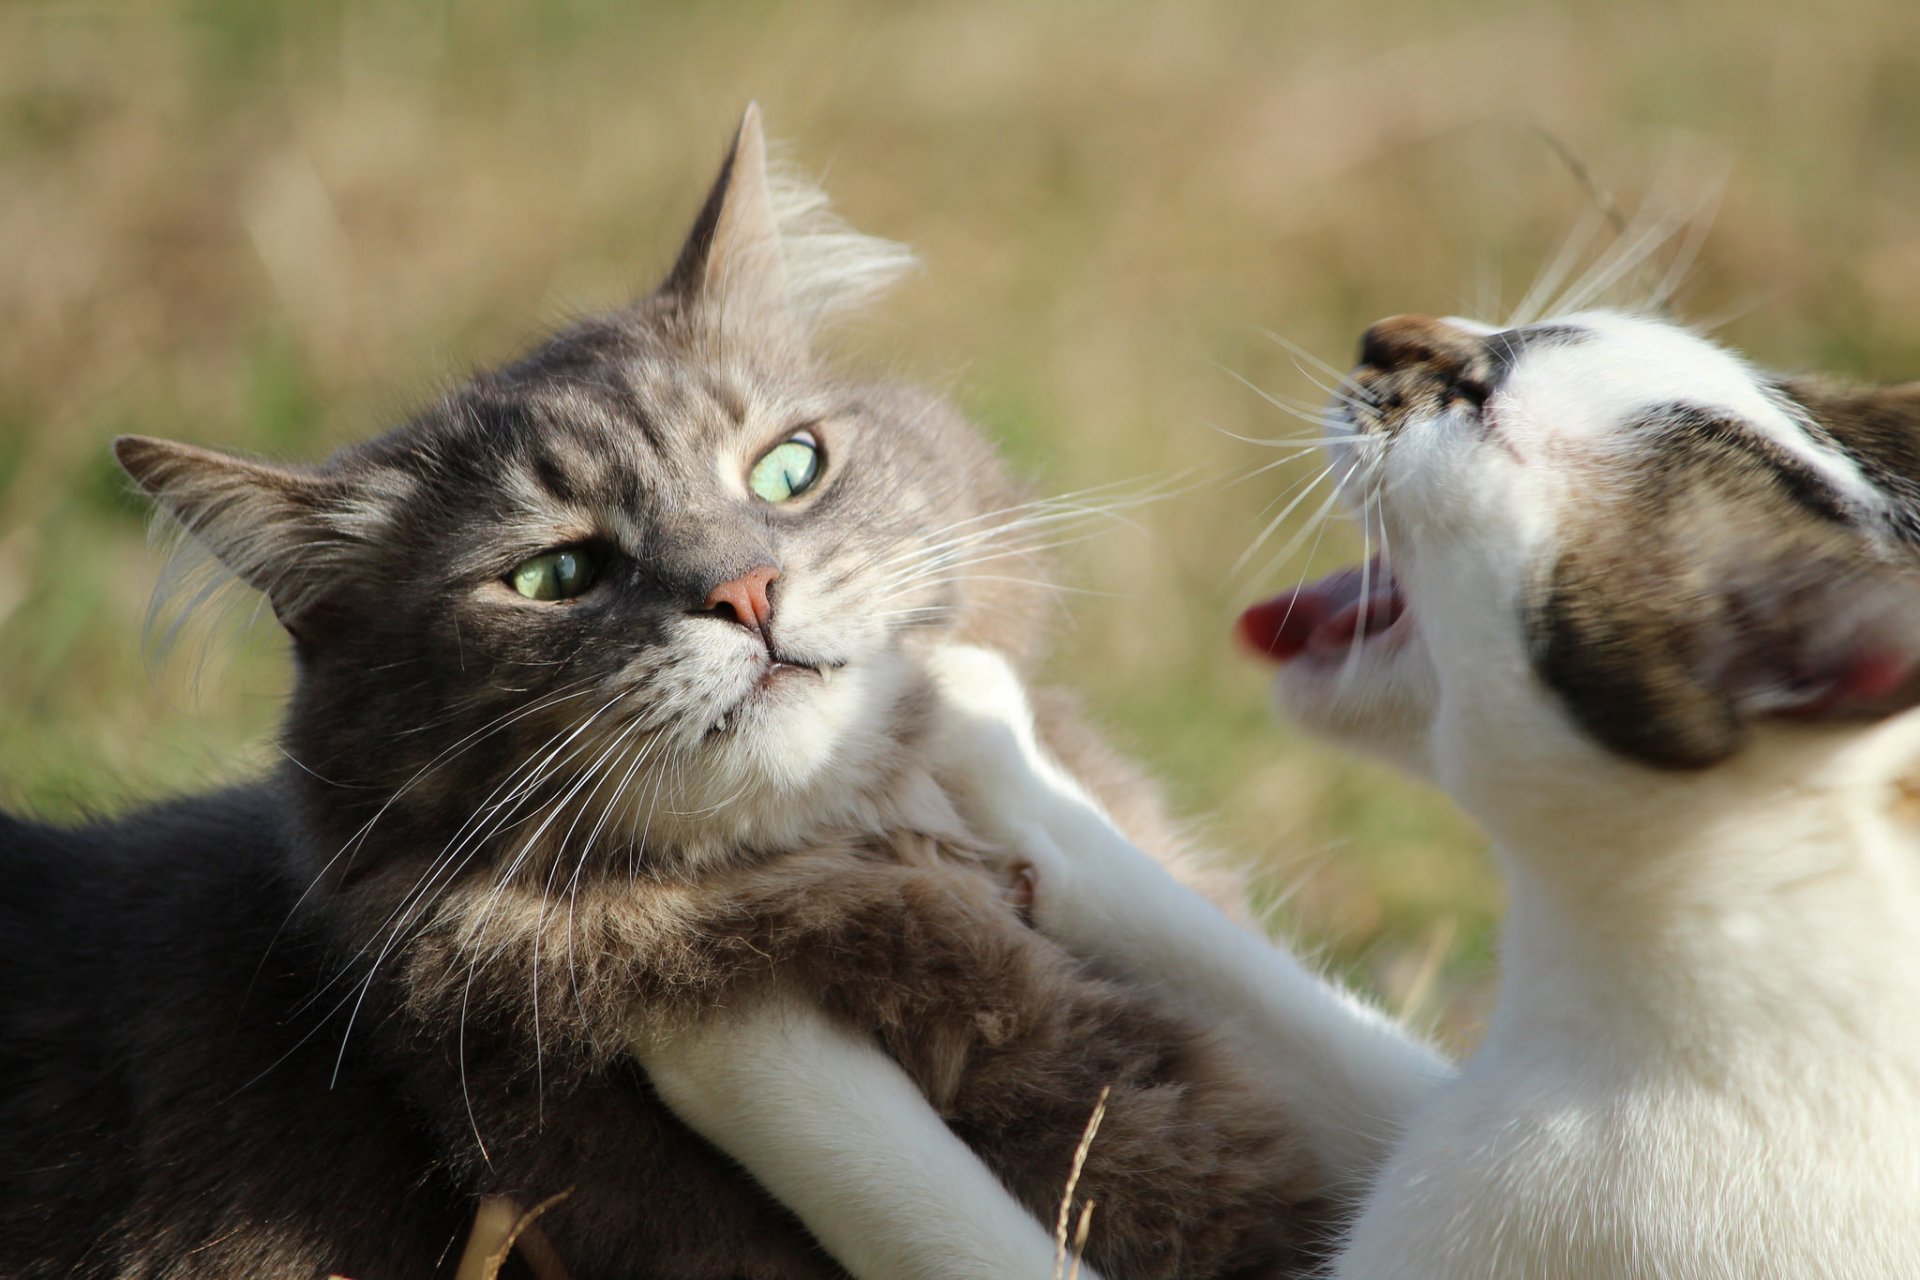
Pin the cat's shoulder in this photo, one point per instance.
(213, 824)
(197, 863)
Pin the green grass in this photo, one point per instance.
(274, 227)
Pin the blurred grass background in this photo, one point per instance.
(274, 227)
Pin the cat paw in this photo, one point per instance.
(983, 742)
(987, 756)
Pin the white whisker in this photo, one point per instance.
(1281, 518)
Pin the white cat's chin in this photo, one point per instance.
(1379, 705)
(1353, 665)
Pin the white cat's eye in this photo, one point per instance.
(788, 469)
(554, 575)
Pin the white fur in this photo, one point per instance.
(1348, 1074)
(1705, 1060)
(1703, 1066)
(839, 1134)
(1706, 1057)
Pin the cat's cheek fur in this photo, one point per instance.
(812, 757)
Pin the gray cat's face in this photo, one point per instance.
(1604, 532)
(658, 583)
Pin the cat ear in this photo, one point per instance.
(1878, 426)
(733, 257)
(767, 253)
(1821, 641)
(266, 524)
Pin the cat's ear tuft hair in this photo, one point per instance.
(268, 525)
(767, 251)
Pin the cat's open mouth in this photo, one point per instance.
(783, 667)
(1328, 618)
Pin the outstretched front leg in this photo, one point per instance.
(839, 1133)
(1349, 1074)
(914, 1082)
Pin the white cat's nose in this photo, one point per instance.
(1401, 342)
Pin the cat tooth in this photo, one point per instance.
(720, 725)
(826, 675)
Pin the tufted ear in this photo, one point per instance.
(767, 254)
(732, 258)
(274, 528)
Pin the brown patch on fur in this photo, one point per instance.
(1703, 596)
(1614, 634)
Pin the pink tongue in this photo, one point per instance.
(1324, 615)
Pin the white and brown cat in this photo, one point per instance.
(1653, 619)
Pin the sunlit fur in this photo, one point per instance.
(521, 853)
(1642, 579)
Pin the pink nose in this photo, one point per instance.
(744, 598)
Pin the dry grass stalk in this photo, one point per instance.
(1066, 1198)
(1080, 1239)
(498, 1227)
(1426, 976)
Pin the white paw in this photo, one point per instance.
(980, 684)
(983, 743)
(986, 754)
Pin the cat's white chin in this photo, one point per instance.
(1353, 665)
(800, 752)
(794, 726)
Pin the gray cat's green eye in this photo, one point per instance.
(788, 469)
(553, 575)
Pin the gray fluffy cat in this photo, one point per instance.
(610, 723)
